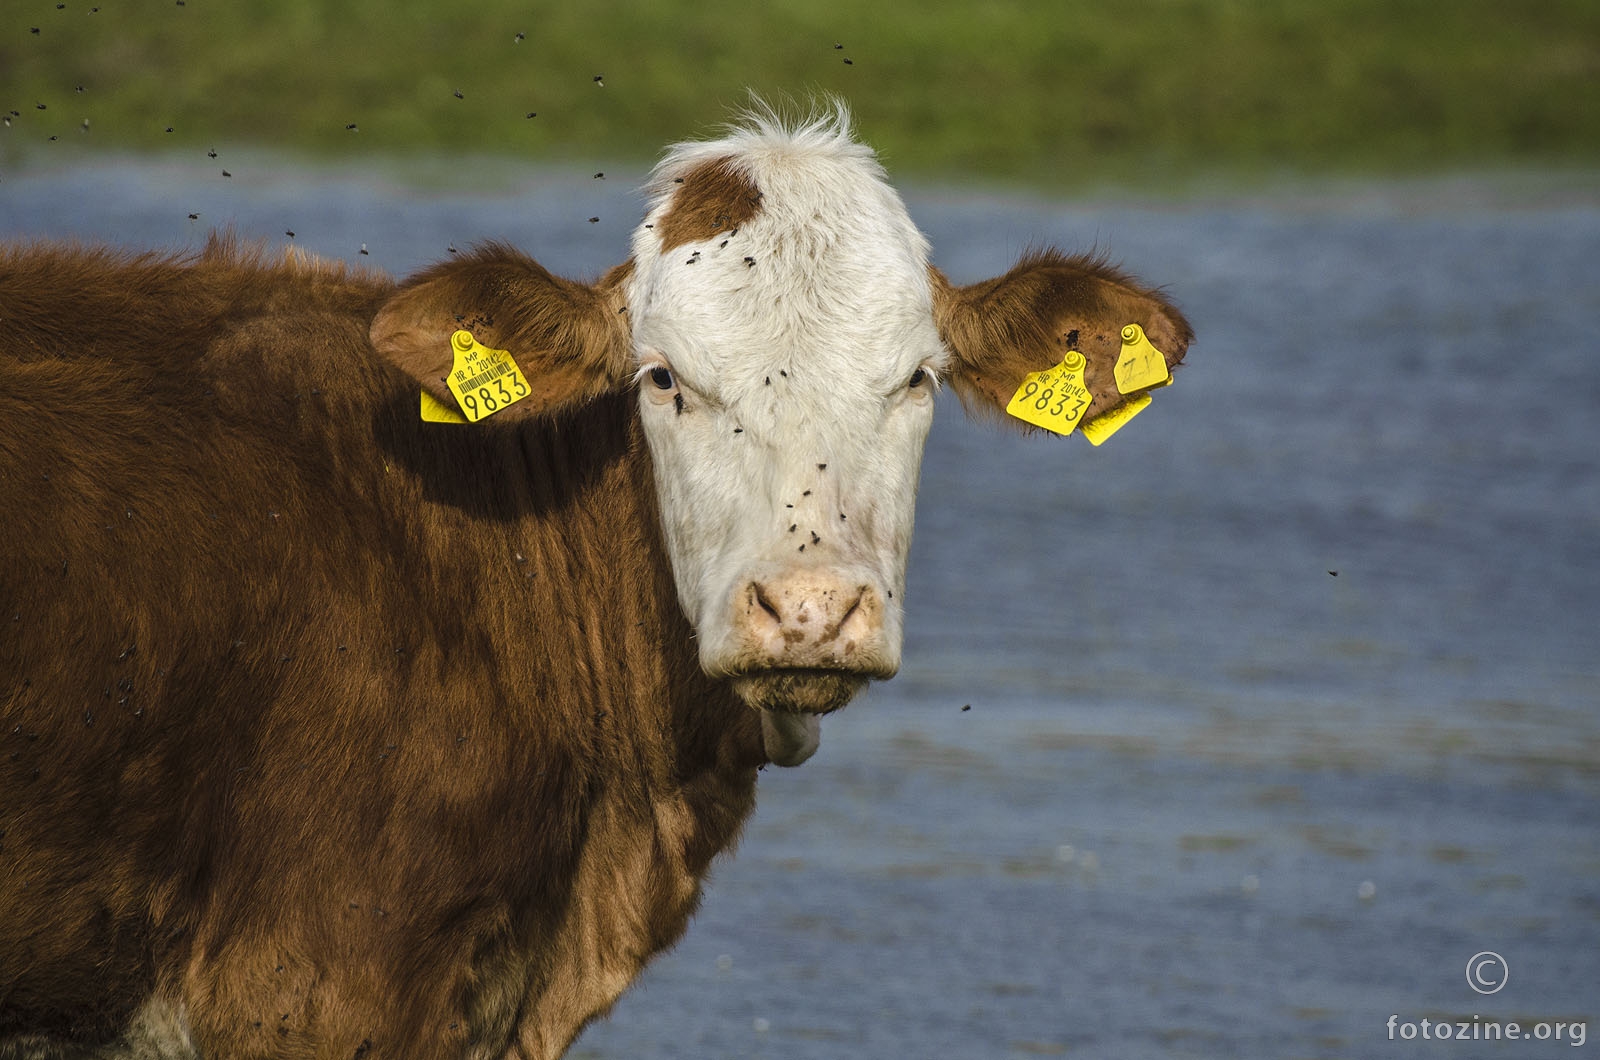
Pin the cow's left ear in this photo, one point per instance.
(1026, 321)
(570, 340)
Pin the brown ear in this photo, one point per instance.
(571, 340)
(1025, 321)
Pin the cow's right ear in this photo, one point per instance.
(571, 340)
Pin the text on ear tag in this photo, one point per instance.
(1141, 365)
(484, 381)
(1054, 398)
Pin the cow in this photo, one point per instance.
(328, 728)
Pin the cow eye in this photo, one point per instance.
(661, 376)
(918, 377)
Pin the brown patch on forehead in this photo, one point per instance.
(713, 197)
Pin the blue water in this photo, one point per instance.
(1283, 704)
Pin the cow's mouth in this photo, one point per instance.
(798, 691)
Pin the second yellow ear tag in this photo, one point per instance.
(484, 381)
(1106, 424)
(436, 411)
(1141, 365)
(1055, 398)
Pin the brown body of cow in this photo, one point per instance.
(325, 731)
(328, 725)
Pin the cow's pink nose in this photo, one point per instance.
(812, 619)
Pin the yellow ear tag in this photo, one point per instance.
(1141, 365)
(1106, 424)
(484, 381)
(1054, 398)
(436, 411)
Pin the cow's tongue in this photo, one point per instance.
(790, 738)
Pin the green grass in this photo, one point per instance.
(1025, 91)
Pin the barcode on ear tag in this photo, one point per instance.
(1106, 424)
(484, 381)
(1055, 398)
(1141, 366)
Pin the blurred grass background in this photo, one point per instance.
(1047, 93)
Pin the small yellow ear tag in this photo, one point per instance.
(436, 411)
(1141, 365)
(1106, 424)
(1054, 398)
(484, 381)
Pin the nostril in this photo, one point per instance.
(855, 605)
(766, 605)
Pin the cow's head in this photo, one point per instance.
(786, 336)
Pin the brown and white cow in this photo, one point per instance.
(326, 731)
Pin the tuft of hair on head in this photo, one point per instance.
(824, 120)
(763, 128)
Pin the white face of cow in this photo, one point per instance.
(782, 320)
